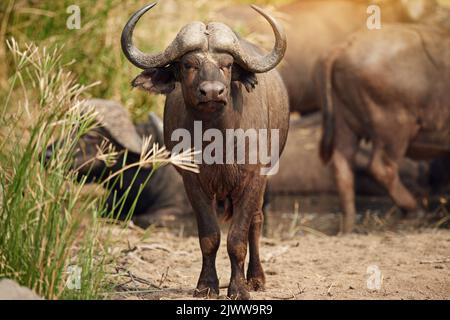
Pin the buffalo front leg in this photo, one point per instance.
(246, 228)
(255, 273)
(209, 237)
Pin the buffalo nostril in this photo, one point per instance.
(221, 91)
(202, 92)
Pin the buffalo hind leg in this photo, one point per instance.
(209, 237)
(345, 180)
(255, 273)
(385, 170)
(343, 159)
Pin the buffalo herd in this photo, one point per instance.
(374, 105)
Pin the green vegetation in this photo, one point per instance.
(48, 222)
(40, 234)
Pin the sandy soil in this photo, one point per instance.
(158, 264)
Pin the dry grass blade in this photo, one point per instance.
(158, 156)
(444, 260)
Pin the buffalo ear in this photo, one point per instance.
(156, 80)
(247, 78)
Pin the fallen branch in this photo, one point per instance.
(445, 260)
(134, 278)
(154, 246)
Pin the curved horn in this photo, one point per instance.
(133, 54)
(265, 63)
(191, 37)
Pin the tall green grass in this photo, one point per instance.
(41, 230)
(47, 223)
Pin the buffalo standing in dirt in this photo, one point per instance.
(390, 87)
(210, 74)
(313, 28)
(162, 195)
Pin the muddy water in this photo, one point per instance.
(292, 215)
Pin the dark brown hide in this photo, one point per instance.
(227, 83)
(241, 184)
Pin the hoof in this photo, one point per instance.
(238, 292)
(256, 284)
(207, 291)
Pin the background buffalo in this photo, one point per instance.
(314, 27)
(151, 196)
(371, 92)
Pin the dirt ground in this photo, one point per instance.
(158, 264)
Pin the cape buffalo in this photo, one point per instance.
(162, 194)
(211, 75)
(390, 87)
